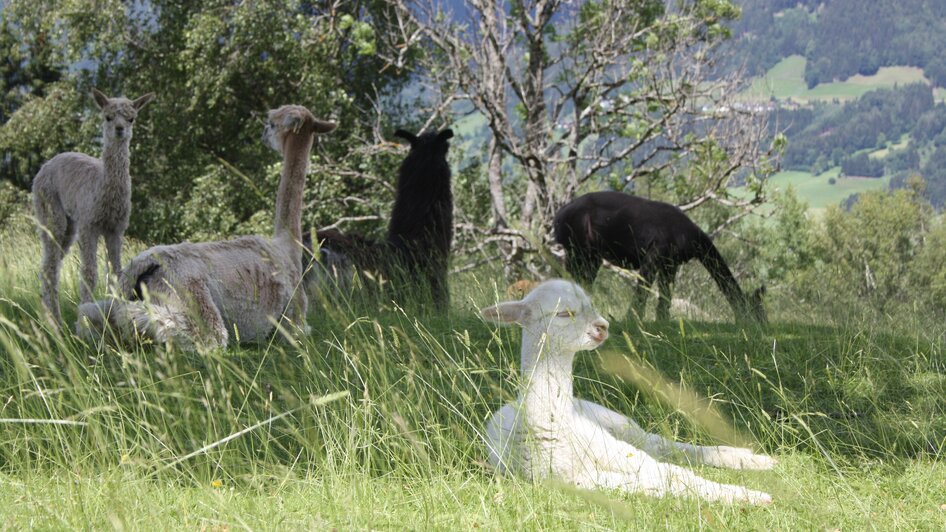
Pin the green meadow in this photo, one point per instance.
(373, 420)
(786, 80)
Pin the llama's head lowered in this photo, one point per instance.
(120, 114)
(751, 308)
(291, 120)
(560, 310)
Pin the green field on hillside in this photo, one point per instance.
(787, 80)
(817, 190)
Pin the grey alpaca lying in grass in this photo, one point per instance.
(76, 194)
(205, 294)
(548, 433)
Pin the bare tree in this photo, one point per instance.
(579, 93)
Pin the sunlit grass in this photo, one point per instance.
(786, 80)
(253, 437)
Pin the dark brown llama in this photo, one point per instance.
(417, 247)
(653, 237)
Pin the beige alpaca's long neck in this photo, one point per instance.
(291, 184)
(547, 393)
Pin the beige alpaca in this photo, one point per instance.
(205, 293)
(75, 194)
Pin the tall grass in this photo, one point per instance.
(374, 419)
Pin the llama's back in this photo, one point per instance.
(71, 178)
(251, 279)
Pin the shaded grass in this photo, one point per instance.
(853, 410)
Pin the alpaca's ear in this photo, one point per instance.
(100, 98)
(507, 312)
(406, 135)
(292, 122)
(324, 127)
(445, 135)
(142, 101)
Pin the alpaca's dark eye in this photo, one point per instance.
(109, 118)
(130, 120)
(566, 314)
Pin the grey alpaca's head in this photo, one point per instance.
(119, 113)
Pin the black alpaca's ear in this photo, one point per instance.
(445, 135)
(406, 135)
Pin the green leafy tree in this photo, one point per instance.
(578, 95)
(199, 168)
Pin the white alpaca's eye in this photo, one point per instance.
(109, 118)
(566, 314)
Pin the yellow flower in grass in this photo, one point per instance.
(216, 483)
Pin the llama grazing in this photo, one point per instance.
(417, 247)
(547, 433)
(76, 194)
(653, 237)
(202, 293)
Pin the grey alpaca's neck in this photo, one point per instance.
(547, 391)
(116, 160)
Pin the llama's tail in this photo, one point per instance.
(132, 321)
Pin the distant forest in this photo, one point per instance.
(841, 38)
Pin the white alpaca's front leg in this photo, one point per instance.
(626, 429)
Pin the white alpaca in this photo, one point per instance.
(207, 293)
(76, 194)
(548, 433)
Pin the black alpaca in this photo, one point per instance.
(650, 236)
(417, 247)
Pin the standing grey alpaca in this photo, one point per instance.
(202, 293)
(76, 194)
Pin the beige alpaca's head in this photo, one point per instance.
(119, 113)
(291, 120)
(558, 309)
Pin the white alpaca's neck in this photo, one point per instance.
(547, 393)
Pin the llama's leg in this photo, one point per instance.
(626, 429)
(113, 244)
(642, 291)
(88, 242)
(209, 323)
(56, 233)
(49, 276)
(665, 279)
(438, 286)
(583, 266)
(660, 480)
(623, 466)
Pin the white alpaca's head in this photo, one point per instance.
(558, 309)
(119, 113)
(291, 120)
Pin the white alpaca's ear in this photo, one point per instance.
(507, 312)
(142, 101)
(100, 98)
